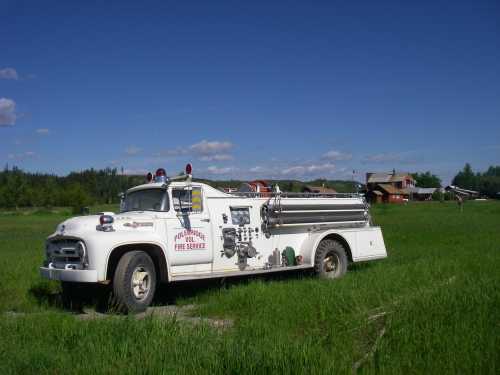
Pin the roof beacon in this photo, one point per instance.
(189, 168)
(160, 175)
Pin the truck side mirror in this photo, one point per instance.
(122, 201)
(189, 199)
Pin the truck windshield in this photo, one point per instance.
(146, 200)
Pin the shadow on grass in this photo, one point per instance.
(45, 293)
(361, 266)
(99, 297)
(169, 294)
(53, 294)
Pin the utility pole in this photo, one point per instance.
(355, 185)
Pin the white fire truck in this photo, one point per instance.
(173, 229)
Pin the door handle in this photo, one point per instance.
(206, 220)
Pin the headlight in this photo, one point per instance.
(48, 252)
(50, 248)
(81, 250)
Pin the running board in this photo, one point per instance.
(215, 275)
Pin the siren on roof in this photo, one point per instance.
(189, 168)
(160, 175)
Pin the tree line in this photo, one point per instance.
(91, 186)
(487, 183)
(77, 190)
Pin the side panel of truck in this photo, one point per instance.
(190, 241)
(280, 238)
(369, 244)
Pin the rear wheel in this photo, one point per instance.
(134, 282)
(331, 260)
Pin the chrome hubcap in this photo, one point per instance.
(141, 283)
(331, 264)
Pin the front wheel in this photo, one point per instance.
(134, 282)
(331, 260)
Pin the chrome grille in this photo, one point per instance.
(65, 251)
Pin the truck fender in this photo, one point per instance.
(155, 250)
(311, 244)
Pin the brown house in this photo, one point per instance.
(318, 190)
(389, 187)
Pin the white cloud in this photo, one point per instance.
(382, 158)
(135, 172)
(337, 155)
(42, 131)
(220, 170)
(204, 151)
(258, 169)
(171, 152)
(8, 114)
(308, 170)
(406, 157)
(205, 147)
(217, 157)
(305, 170)
(8, 73)
(132, 150)
(22, 155)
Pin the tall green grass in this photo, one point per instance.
(433, 306)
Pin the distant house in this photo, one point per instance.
(464, 193)
(398, 180)
(389, 187)
(422, 194)
(318, 190)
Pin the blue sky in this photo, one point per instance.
(292, 89)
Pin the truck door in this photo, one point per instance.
(189, 232)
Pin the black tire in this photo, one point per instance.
(331, 260)
(127, 298)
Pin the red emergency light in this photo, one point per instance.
(160, 172)
(189, 168)
(160, 175)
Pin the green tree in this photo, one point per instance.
(76, 197)
(487, 183)
(466, 178)
(427, 180)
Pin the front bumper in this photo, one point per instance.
(81, 276)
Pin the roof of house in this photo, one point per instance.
(376, 192)
(419, 190)
(388, 177)
(390, 189)
(319, 189)
(379, 177)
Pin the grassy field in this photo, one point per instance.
(433, 306)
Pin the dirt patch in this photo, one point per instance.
(179, 313)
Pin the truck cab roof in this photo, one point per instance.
(208, 190)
